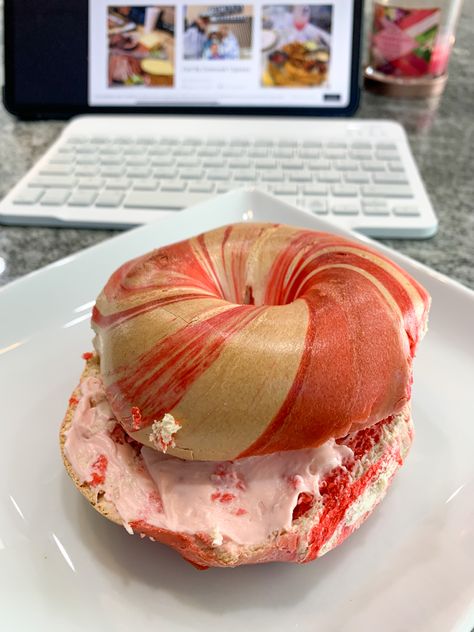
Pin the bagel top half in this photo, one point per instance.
(257, 338)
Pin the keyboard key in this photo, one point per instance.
(231, 152)
(60, 182)
(239, 142)
(99, 140)
(257, 153)
(376, 209)
(123, 140)
(192, 174)
(165, 201)
(188, 162)
(312, 143)
(119, 184)
(290, 165)
(359, 154)
(308, 153)
(263, 142)
(173, 185)
(158, 150)
(55, 197)
(283, 153)
(386, 190)
(319, 164)
(28, 196)
(82, 198)
(111, 160)
(361, 144)
(357, 177)
(218, 174)
(184, 151)
(285, 189)
(246, 175)
(145, 184)
(215, 142)
(91, 183)
(109, 150)
(168, 140)
(329, 176)
(385, 145)
(206, 152)
(345, 165)
(133, 150)
(138, 172)
(165, 172)
(266, 163)
(213, 162)
(62, 159)
(396, 165)
(91, 159)
(109, 199)
(387, 155)
(372, 165)
(300, 176)
(344, 190)
(287, 143)
(390, 178)
(239, 163)
(334, 153)
(111, 171)
(137, 161)
(315, 189)
(345, 208)
(145, 140)
(86, 149)
(336, 144)
(164, 161)
(77, 140)
(406, 211)
(85, 170)
(272, 176)
(192, 141)
(56, 170)
(380, 202)
(201, 187)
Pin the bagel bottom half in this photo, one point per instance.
(347, 496)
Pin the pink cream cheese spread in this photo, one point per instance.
(244, 501)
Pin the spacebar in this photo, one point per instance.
(163, 201)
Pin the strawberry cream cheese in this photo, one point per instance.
(243, 501)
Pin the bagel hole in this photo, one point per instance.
(249, 298)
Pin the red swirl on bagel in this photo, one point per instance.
(258, 338)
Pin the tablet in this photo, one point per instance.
(65, 58)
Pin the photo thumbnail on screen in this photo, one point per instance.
(141, 46)
(217, 32)
(296, 45)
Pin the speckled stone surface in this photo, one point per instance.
(441, 134)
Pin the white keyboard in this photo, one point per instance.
(95, 176)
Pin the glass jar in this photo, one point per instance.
(409, 46)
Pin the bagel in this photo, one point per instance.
(248, 399)
(257, 338)
(109, 469)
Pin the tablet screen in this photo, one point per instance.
(260, 54)
(99, 55)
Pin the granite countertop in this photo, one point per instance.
(441, 134)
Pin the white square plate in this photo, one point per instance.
(64, 567)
